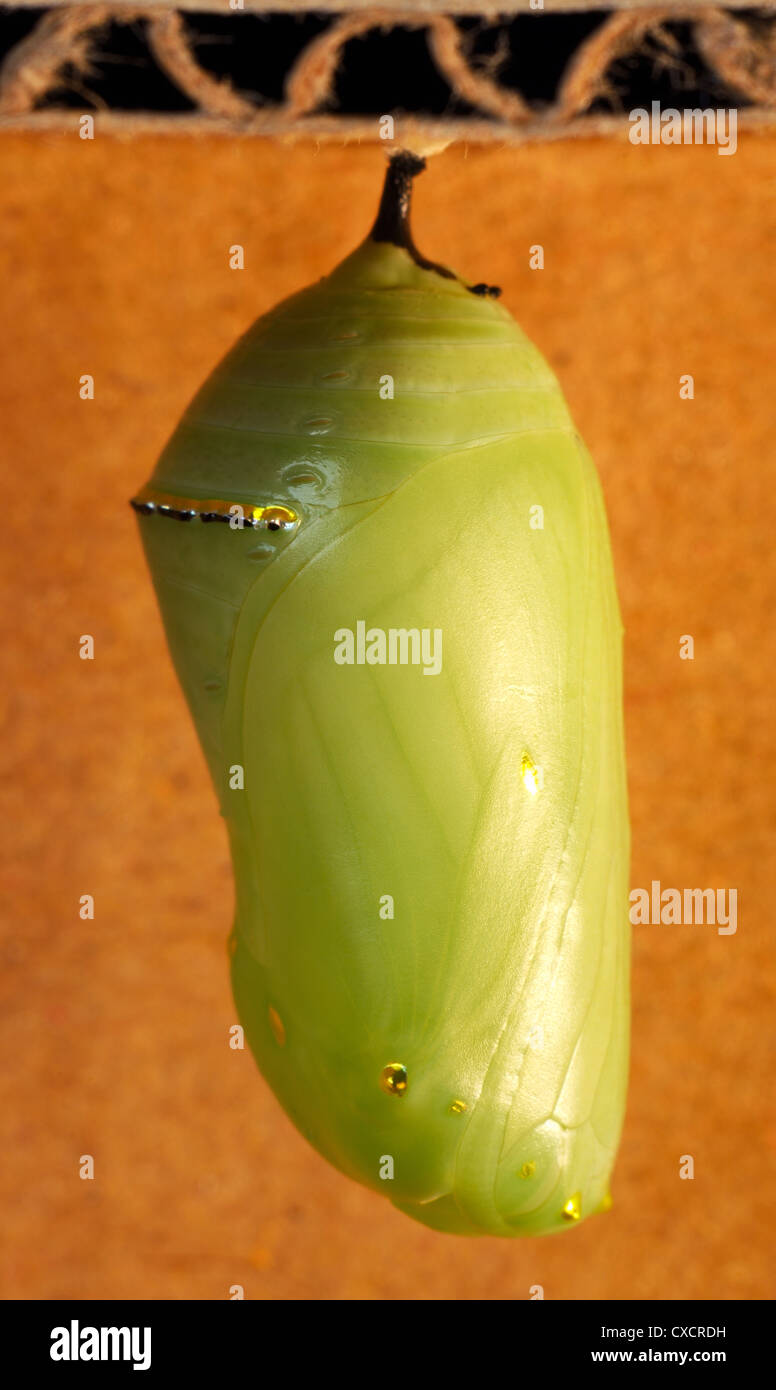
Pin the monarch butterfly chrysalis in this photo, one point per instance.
(403, 658)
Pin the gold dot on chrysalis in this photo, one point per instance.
(529, 774)
(528, 1169)
(457, 1107)
(276, 1024)
(606, 1202)
(393, 1079)
(573, 1208)
(276, 518)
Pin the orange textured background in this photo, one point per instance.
(114, 1031)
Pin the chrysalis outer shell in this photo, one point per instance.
(500, 985)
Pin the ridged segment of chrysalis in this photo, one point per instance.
(429, 835)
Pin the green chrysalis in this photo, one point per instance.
(389, 597)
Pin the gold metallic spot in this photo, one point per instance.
(529, 774)
(573, 1208)
(528, 1169)
(606, 1203)
(393, 1079)
(275, 518)
(458, 1107)
(276, 1024)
